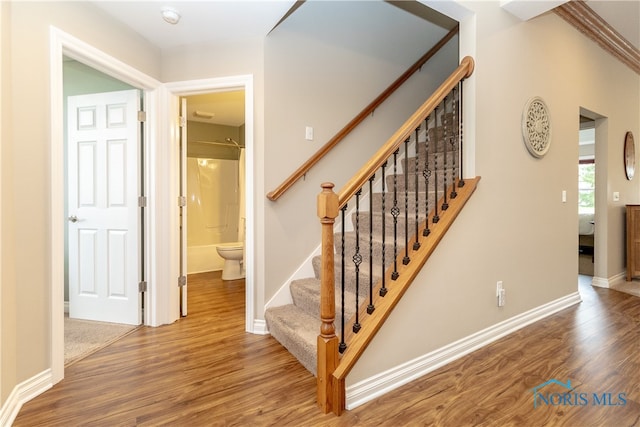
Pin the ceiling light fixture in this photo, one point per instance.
(204, 114)
(170, 15)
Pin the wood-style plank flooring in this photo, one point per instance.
(204, 370)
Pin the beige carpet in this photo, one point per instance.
(632, 288)
(84, 337)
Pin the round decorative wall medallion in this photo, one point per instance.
(536, 127)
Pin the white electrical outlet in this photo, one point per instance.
(308, 133)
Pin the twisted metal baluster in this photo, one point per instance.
(371, 307)
(426, 173)
(416, 244)
(343, 346)
(436, 217)
(357, 260)
(406, 260)
(445, 205)
(383, 287)
(395, 211)
(461, 180)
(454, 140)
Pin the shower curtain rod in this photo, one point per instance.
(226, 144)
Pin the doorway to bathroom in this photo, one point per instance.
(213, 184)
(219, 150)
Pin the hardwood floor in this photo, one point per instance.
(205, 370)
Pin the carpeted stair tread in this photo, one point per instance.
(365, 222)
(350, 274)
(297, 331)
(297, 326)
(306, 296)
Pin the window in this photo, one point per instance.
(586, 187)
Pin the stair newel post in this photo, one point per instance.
(327, 340)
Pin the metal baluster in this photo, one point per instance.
(383, 287)
(416, 244)
(395, 211)
(436, 217)
(406, 260)
(454, 140)
(371, 307)
(461, 107)
(343, 346)
(426, 173)
(357, 260)
(445, 205)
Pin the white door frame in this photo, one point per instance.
(61, 44)
(194, 87)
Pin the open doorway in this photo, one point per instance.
(103, 251)
(213, 174)
(176, 92)
(586, 196)
(65, 47)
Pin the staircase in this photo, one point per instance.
(296, 326)
(377, 233)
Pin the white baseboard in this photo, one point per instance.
(260, 327)
(602, 282)
(22, 393)
(377, 385)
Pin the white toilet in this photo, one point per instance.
(232, 253)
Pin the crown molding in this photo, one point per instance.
(589, 23)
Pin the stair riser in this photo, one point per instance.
(350, 250)
(350, 275)
(377, 202)
(400, 184)
(309, 301)
(365, 224)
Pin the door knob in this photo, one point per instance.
(73, 218)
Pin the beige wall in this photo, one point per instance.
(321, 72)
(26, 281)
(515, 227)
(7, 283)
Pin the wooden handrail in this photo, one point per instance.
(331, 375)
(464, 70)
(369, 109)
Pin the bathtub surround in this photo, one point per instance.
(212, 210)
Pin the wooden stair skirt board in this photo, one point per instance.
(297, 326)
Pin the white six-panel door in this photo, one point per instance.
(103, 180)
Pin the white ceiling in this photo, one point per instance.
(220, 20)
(214, 21)
(201, 21)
